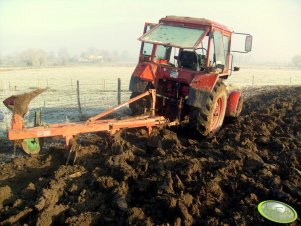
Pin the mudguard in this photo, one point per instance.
(143, 75)
(200, 88)
(233, 109)
(137, 84)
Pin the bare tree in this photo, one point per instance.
(63, 56)
(106, 55)
(33, 57)
(297, 61)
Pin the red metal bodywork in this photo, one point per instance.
(206, 82)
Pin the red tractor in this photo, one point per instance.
(182, 65)
(186, 61)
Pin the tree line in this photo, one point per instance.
(39, 57)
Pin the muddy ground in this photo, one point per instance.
(175, 178)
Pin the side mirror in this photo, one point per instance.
(236, 68)
(248, 43)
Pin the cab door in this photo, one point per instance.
(219, 51)
(146, 49)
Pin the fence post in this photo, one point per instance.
(78, 99)
(253, 80)
(119, 91)
(38, 118)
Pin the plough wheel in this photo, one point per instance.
(32, 146)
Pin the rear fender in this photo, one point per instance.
(200, 88)
(138, 85)
(232, 104)
(143, 75)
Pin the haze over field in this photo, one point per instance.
(116, 25)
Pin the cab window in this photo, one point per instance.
(218, 56)
(219, 48)
(226, 40)
(163, 52)
(147, 49)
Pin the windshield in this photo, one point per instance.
(173, 36)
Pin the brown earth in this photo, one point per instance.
(175, 177)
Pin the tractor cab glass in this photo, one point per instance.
(173, 36)
(162, 54)
(219, 51)
(166, 41)
(169, 41)
(147, 50)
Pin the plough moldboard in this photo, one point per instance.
(31, 138)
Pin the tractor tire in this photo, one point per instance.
(209, 119)
(138, 107)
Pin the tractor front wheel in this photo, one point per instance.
(209, 118)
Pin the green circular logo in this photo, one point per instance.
(277, 211)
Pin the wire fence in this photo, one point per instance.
(77, 94)
(64, 103)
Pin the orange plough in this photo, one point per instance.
(30, 137)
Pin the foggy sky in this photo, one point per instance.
(116, 24)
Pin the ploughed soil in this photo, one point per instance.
(173, 178)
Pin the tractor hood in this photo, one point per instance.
(168, 35)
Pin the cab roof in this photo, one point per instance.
(192, 22)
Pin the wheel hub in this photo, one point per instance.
(31, 146)
(217, 113)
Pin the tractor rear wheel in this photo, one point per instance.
(138, 107)
(209, 118)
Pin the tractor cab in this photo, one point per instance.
(183, 44)
(195, 44)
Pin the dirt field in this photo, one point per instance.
(175, 177)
